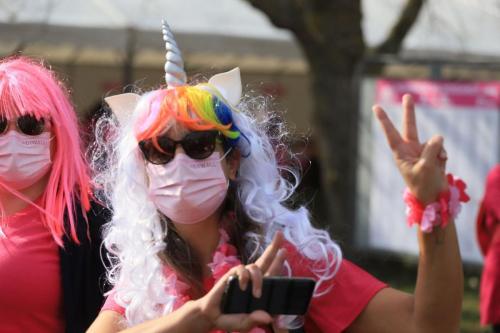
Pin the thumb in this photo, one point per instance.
(432, 149)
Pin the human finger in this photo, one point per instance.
(443, 155)
(243, 276)
(391, 133)
(276, 267)
(410, 132)
(256, 277)
(442, 158)
(432, 149)
(254, 319)
(215, 294)
(266, 259)
(243, 322)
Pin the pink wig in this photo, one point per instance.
(27, 87)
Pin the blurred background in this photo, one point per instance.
(324, 63)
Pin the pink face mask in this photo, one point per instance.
(187, 190)
(24, 159)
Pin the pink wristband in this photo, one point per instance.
(437, 213)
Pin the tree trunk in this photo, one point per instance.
(335, 120)
(330, 34)
(335, 115)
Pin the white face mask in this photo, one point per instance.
(186, 190)
(24, 159)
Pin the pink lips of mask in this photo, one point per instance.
(186, 190)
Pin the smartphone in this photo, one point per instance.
(280, 295)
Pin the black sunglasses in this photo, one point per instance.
(27, 124)
(197, 145)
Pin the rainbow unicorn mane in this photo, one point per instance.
(191, 106)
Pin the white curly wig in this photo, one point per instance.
(136, 236)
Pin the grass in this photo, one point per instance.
(400, 273)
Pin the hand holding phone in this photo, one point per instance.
(269, 263)
(280, 296)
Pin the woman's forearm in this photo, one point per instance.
(187, 319)
(439, 288)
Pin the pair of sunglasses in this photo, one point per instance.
(197, 145)
(27, 124)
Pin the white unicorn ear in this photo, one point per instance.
(228, 84)
(123, 105)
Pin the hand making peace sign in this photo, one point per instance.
(422, 165)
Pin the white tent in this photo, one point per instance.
(224, 30)
(106, 31)
(95, 43)
(460, 27)
(102, 30)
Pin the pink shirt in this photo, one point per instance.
(351, 290)
(488, 233)
(30, 283)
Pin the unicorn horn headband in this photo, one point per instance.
(227, 84)
(175, 75)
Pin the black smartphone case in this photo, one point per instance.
(280, 295)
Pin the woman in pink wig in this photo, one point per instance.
(49, 226)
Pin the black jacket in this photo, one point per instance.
(82, 270)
